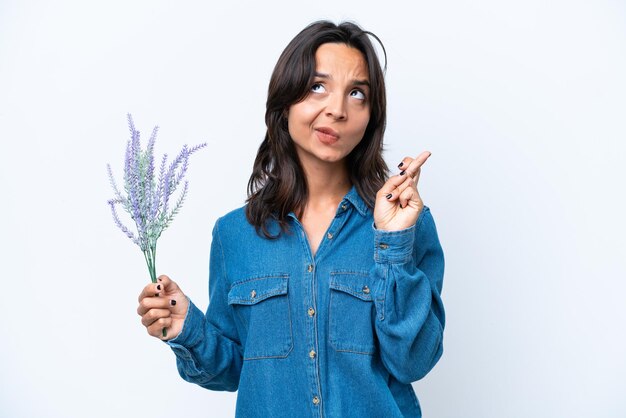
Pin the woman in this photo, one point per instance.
(325, 288)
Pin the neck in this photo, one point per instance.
(327, 183)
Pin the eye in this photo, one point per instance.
(357, 94)
(318, 88)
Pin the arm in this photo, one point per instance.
(208, 350)
(409, 266)
(410, 316)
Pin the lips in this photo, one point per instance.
(327, 136)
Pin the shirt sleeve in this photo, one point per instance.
(208, 350)
(410, 318)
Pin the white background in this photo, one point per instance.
(522, 104)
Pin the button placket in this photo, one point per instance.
(310, 291)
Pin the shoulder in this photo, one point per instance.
(236, 218)
(232, 223)
(234, 228)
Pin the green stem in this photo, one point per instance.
(151, 269)
(150, 256)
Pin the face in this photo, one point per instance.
(331, 120)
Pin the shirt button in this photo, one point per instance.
(383, 246)
(366, 290)
(312, 354)
(309, 268)
(329, 236)
(344, 206)
(311, 311)
(316, 400)
(253, 294)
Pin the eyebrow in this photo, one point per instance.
(354, 82)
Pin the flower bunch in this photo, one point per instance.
(146, 197)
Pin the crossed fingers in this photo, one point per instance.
(404, 185)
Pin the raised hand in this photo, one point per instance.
(398, 203)
(163, 305)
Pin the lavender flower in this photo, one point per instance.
(146, 199)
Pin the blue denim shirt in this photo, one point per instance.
(341, 334)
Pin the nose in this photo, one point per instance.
(336, 107)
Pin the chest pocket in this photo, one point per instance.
(351, 313)
(262, 305)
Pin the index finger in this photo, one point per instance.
(150, 290)
(414, 168)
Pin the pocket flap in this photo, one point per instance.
(251, 291)
(355, 284)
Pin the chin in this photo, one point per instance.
(323, 155)
(331, 158)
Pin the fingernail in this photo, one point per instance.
(403, 172)
(172, 302)
(401, 164)
(389, 196)
(158, 287)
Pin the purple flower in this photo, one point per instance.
(145, 198)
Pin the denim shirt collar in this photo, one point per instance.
(355, 199)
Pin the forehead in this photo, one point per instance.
(340, 58)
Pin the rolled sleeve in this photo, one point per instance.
(191, 333)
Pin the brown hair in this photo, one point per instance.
(277, 185)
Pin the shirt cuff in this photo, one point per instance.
(188, 336)
(393, 247)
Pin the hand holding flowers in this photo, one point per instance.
(163, 305)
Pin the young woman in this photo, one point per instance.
(325, 288)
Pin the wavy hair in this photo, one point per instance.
(277, 185)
